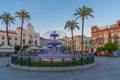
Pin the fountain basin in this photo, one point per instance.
(54, 57)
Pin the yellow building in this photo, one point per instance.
(108, 33)
(67, 42)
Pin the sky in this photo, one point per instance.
(52, 14)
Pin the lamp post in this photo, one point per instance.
(65, 41)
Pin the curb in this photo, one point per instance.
(69, 68)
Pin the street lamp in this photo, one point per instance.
(65, 41)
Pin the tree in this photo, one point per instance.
(83, 13)
(7, 19)
(110, 47)
(68, 49)
(71, 25)
(17, 47)
(100, 49)
(25, 47)
(23, 15)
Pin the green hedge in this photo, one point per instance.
(25, 62)
(100, 48)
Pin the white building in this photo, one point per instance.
(29, 36)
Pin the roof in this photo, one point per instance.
(33, 48)
(10, 32)
(44, 38)
(6, 47)
(20, 28)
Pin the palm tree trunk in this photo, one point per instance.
(7, 34)
(22, 21)
(82, 35)
(72, 41)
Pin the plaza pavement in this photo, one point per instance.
(106, 68)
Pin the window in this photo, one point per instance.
(3, 37)
(29, 42)
(100, 35)
(89, 42)
(35, 36)
(10, 43)
(2, 43)
(9, 38)
(35, 42)
(24, 41)
(86, 47)
(30, 36)
(15, 38)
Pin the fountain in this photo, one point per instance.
(54, 49)
(53, 58)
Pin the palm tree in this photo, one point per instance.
(71, 25)
(83, 13)
(23, 15)
(7, 19)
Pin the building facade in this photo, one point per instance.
(29, 36)
(108, 33)
(43, 41)
(67, 42)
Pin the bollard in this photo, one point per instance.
(29, 61)
(21, 60)
(73, 61)
(62, 62)
(11, 59)
(39, 62)
(93, 59)
(88, 60)
(81, 60)
(16, 59)
(51, 61)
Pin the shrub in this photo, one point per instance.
(25, 62)
(68, 48)
(39, 46)
(17, 47)
(100, 49)
(111, 47)
(1, 44)
(25, 47)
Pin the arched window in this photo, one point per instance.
(3, 43)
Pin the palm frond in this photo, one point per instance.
(23, 14)
(7, 18)
(71, 25)
(84, 12)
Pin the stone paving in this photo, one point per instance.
(107, 68)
